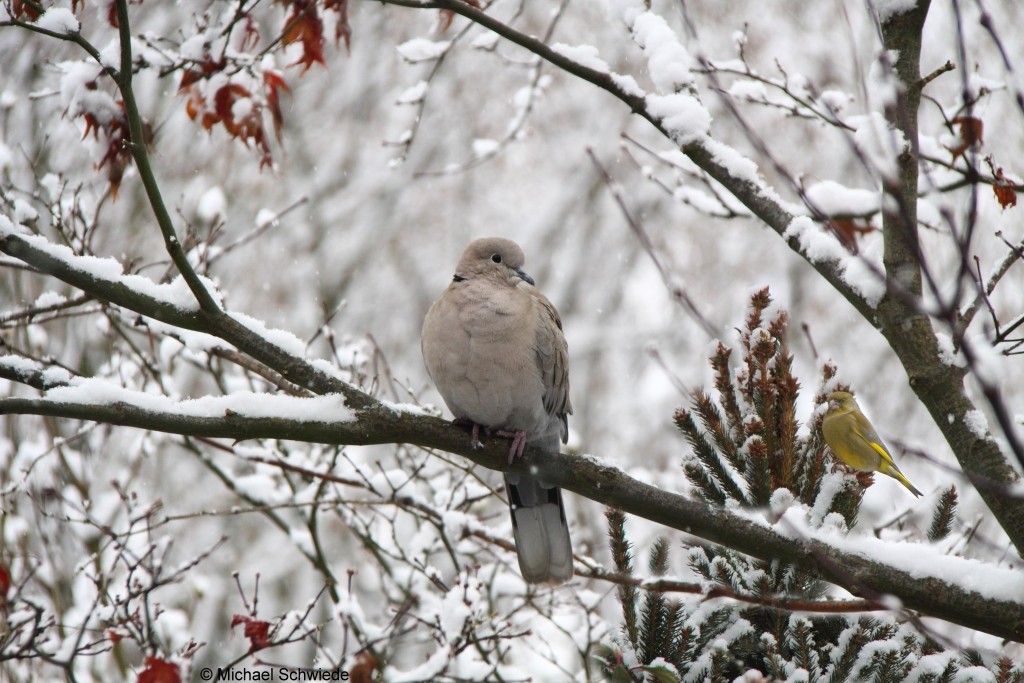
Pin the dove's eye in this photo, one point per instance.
(496, 258)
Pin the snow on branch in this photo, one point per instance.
(103, 277)
(943, 587)
(243, 404)
(105, 280)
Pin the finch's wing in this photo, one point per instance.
(871, 438)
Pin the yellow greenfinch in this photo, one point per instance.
(854, 441)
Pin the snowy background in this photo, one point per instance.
(389, 162)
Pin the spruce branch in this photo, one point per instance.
(622, 557)
(945, 514)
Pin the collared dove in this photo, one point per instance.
(494, 347)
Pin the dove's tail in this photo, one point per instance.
(540, 529)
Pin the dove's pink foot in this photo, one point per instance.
(518, 444)
(475, 437)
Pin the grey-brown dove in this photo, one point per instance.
(494, 347)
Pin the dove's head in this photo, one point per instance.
(492, 257)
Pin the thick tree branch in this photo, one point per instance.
(901, 313)
(381, 424)
(110, 290)
(221, 324)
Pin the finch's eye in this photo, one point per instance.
(496, 258)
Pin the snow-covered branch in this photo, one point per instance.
(975, 596)
(105, 280)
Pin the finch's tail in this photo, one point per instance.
(895, 473)
(540, 529)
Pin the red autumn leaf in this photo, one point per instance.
(1003, 187)
(223, 104)
(304, 25)
(251, 34)
(20, 9)
(342, 29)
(5, 584)
(116, 156)
(447, 16)
(971, 130)
(114, 637)
(115, 132)
(846, 231)
(188, 77)
(256, 630)
(273, 83)
(209, 119)
(1006, 195)
(195, 106)
(247, 127)
(444, 20)
(244, 123)
(91, 126)
(362, 670)
(111, 9)
(207, 68)
(159, 671)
